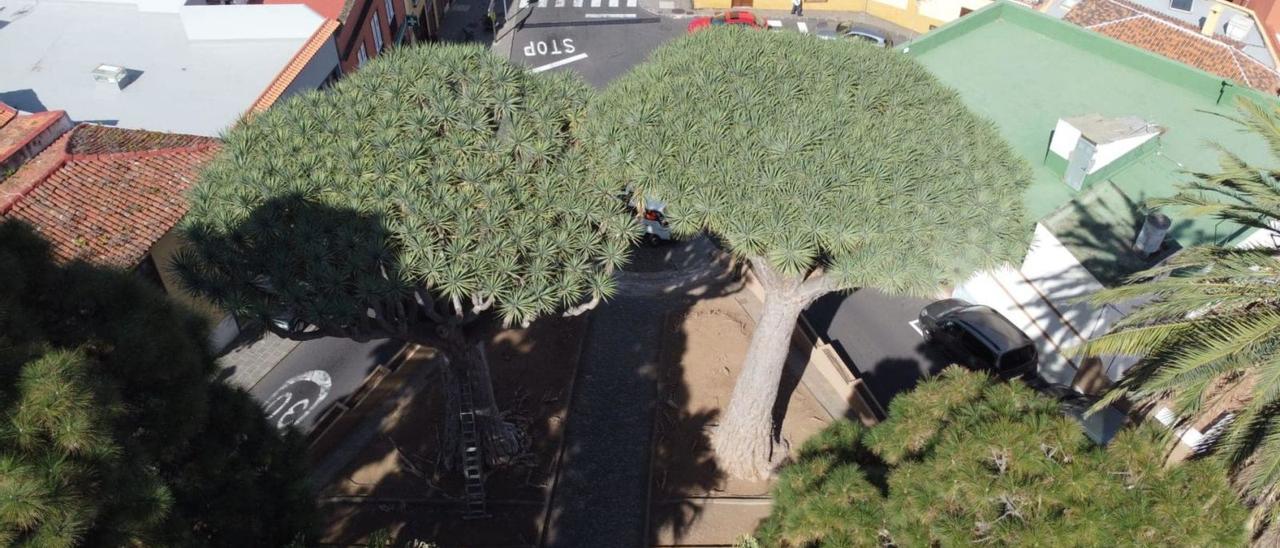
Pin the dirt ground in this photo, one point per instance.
(692, 501)
(394, 482)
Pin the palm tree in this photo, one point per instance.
(1210, 323)
(437, 186)
(828, 165)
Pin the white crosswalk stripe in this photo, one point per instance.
(619, 4)
(802, 26)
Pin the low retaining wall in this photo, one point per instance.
(821, 369)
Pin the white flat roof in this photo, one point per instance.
(201, 67)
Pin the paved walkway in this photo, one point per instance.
(246, 363)
(601, 497)
(603, 490)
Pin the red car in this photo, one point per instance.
(744, 18)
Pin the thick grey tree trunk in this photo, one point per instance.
(744, 442)
(500, 440)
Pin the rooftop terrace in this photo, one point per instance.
(196, 69)
(1024, 71)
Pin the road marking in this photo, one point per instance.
(666, 5)
(631, 3)
(803, 27)
(523, 4)
(595, 3)
(915, 324)
(296, 411)
(774, 23)
(577, 3)
(559, 63)
(613, 3)
(610, 15)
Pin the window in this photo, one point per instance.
(362, 57)
(377, 32)
(1181, 5)
(981, 356)
(391, 12)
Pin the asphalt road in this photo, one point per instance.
(315, 376)
(598, 43)
(874, 332)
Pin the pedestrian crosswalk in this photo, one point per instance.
(778, 24)
(535, 4)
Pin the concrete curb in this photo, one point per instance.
(545, 518)
(350, 432)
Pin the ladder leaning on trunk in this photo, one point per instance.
(472, 460)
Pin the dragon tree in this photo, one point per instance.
(435, 188)
(828, 165)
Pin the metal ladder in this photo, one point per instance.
(472, 463)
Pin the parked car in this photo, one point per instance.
(744, 18)
(856, 32)
(979, 337)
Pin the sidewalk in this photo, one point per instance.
(816, 20)
(249, 361)
(602, 493)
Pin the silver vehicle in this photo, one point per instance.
(656, 229)
(849, 30)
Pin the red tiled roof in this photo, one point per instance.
(105, 194)
(1174, 39)
(16, 132)
(7, 113)
(295, 66)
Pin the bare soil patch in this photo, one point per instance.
(692, 501)
(394, 482)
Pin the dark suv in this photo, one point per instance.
(979, 337)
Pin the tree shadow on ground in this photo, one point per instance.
(397, 481)
(387, 474)
(636, 448)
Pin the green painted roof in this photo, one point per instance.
(1025, 70)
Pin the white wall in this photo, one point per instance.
(1112, 151)
(1064, 139)
(315, 73)
(947, 10)
(1262, 238)
(900, 4)
(249, 22)
(1066, 135)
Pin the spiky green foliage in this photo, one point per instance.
(112, 430)
(814, 155)
(435, 182)
(963, 460)
(1210, 322)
